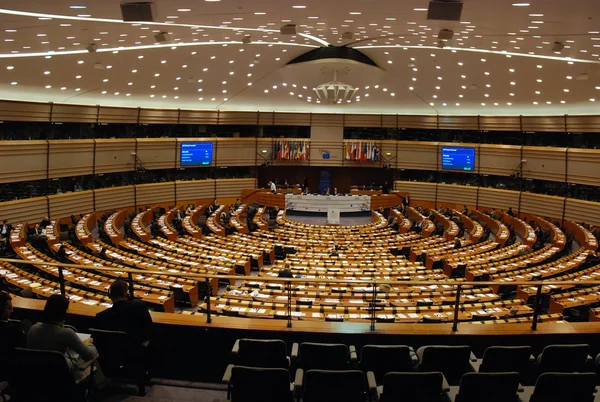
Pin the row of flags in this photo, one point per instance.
(291, 150)
(364, 151)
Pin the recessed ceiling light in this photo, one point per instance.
(78, 77)
(10, 67)
(184, 10)
(536, 15)
(14, 83)
(259, 13)
(521, 4)
(48, 86)
(354, 13)
(592, 100)
(420, 9)
(565, 90)
(513, 83)
(298, 6)
(78, 7)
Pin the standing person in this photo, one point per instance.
(386, 188)
(305, 184)
(406, 200)
(273, 187)
(6, 228)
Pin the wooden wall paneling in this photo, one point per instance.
(157, 153)
(113, 198)
(417, 155)
(454, 196)
(24, 111)
(388, 153)
(263, 144)
(238, 118)
(362, 120)
(155, 193)
(30, 210)
(114, 155)
(458, 122)
(236, 151)
(74, 113)
(389, 121)
(500, 123)
(195, 190)
(418, 191)
(543, 123)
(159, 116)
(204, 139)
(266, 118)
(583, 124)
(120, 115)
(334, 148)
(406, 121)
(499, 160)
(65, 205)
(542, 205)
(71, 158)
(582, 166)
(546, 163)
(582, 211)
(291, 119)
(327, 120)
(198, 117)
(491, 198)
(232, 188)
(23, 160)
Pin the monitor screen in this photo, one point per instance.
(456, 158)
(196, 153)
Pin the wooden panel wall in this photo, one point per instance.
(545, 163)
(236, 151)
(29, 210)
(157, 153)
(195, 190)
(23, 160)
(115, 155)
(233, 187)
(417, 155)
(417, 191)
(454, 196)
(110, 199)
(499, 160)
(582, 211)
(491, 198)
(63, 205)
(582, 166)
(71, 158)
(534, 204)
(148, 194)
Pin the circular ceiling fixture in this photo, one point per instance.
(335, 92)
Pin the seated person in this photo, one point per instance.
(11, 333)
(50, 334)
(131, 316)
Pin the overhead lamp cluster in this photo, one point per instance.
(335, 92)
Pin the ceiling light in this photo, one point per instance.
(298, 6)
(184, 10)
(520, 4)
(14, 83)
(77, 7)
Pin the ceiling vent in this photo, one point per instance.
(288, 29)
(446, 34)
(446, 10)
(138, 12)
(162, 37)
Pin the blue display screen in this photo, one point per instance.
(196, 153)
(454, 158)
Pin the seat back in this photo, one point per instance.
(323, 356)
(383, 359)
(42, 375)
(564, 387)
(262, 353)
(489, 387)
(254, 384)
(452, 361)
(414, 387)
(334, 385)
(563, 358)
(116, 351)
(498, 359)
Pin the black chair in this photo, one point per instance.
(452, 361)
(562, 387)
(255, 384)
(43, 375)
(383, 359)
(332, 385)
(413, 387)
(489, 387)
(121, 357)
(502, 359)
(268, 353)
(323, 356)
(564, 359)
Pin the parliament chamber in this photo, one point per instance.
(185, 188)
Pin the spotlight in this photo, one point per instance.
(246, 40)
(441, 44)
(558, 47)
(162, 37)
(288, 29)
(446, 34)
(92, 47)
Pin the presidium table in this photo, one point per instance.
(332, 205)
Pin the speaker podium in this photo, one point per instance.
(333, 216)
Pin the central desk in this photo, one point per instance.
(325, 203)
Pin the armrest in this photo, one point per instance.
(236, 347)
(473, 358)
(445, 385)
(295, 348)
(227, 376)
(531, 359)
(475, 364)
(372, 382)
(520, 388)
(298, 381)
(353, 355)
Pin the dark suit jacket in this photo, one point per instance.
(131, 316)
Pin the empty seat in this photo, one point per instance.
(323, 356)
(562, 387)
(489, 387)
(383, 359)
(270, 353)
(255, 384)
(452, 361)
(497, 359)
(332, 385)
(413, 387)
(564, 359)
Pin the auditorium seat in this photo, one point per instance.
(562, 387)
(268, 353)
(332, 385)
(323, 356)
(497, 359)
(489, 387)
(413, 387)
(452, 361)
(383, 359)
(564, 359)
(258, 384)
